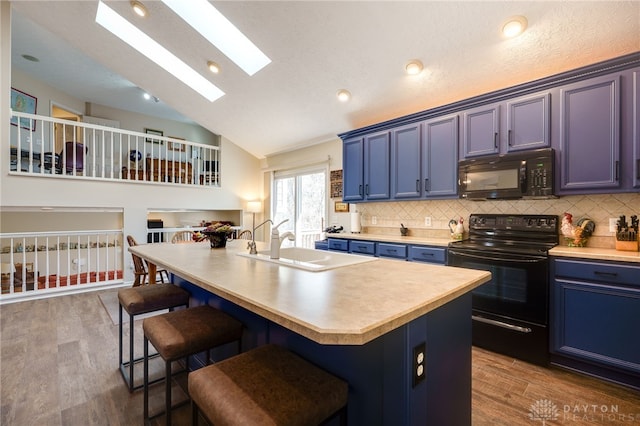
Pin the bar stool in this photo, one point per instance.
(179, 334)
(142, 300)
(267, 386)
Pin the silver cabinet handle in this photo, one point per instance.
(501, 324)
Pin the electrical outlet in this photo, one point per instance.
(613, 224)
(374, 220)
(427, 221)
(419, 363)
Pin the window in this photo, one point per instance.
(301, 197)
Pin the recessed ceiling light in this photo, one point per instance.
(414, 67)
(146, 96)
(139, 8)
(514, 26)
(31, 58)
(220, 32)
(150, 48)
(213, 67)
(343, 95)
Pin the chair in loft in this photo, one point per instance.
(139, 268)
(182, 237)
(72, 157)
(51, 162)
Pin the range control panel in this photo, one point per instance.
(525, 223)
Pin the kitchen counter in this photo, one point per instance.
(346, 306)
(440, 242)
(365, 323)
(595, 253)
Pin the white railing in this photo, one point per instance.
(40, 262)
(164, 235)
(58, 148)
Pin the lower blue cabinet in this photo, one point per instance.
(428, 254)
(337, 244)
(395, 251)
(595, 308)
(362, 247)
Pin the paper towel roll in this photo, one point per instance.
(355, 223)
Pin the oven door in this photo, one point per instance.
(519, 283)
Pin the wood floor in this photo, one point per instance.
(58, 366)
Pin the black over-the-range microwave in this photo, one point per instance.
(526, 174)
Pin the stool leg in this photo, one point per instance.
(168, 392)
(146, 380)
(194, 413)
(130, 352)
(120, 336)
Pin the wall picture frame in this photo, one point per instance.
(154, 132)
(340, 207)
(177, 146)
(23, 102)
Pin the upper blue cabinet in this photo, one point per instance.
(424, 159)
(366, 168)
(514, 125)
(590, 116)
(589, 125)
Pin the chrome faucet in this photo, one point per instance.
(277, 239)
(252, 244)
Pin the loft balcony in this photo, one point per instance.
(63, 149)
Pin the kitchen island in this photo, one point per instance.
(364, 323)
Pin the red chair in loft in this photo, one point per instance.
(72, 157)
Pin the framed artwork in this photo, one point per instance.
(154, 133)
(23, 102)
(177, 146)
(341, 207)
(336, 183)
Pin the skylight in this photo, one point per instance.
(220, 32)
(144, 44)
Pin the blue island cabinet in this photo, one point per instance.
(595, 308)
(380, 373)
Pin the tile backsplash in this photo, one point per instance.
(389, 215)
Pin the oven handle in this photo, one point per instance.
(498, 259)
(501, 324)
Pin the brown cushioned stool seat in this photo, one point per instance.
(179, 334)
(142, 300)
(267, 386)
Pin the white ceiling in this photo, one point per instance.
(317, 48)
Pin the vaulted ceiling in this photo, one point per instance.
(317, 48)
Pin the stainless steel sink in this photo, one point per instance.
(310, 259)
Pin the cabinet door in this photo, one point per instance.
(353, 171)
(440, 157)
(406, 162)
(636, 129)
(597, 323)
(528, 122)
(590, 134)
(376, 166)
(481, 127)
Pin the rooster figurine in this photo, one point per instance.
(577, 234)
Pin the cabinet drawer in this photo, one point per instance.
(397, 251)
(340, 245)
(362, 247)
(609, 273)
(427, 254)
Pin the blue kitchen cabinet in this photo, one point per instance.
(392, 250)
(406, 162)
(337, 244)
(377, 166)
(366, 168)
(595, 321)
(589, 146)
(636, 128)
(418, 253)
(440, 157)
(527, 125)
(481, 131)
(353, 169)
(362, 247)
(424, 158)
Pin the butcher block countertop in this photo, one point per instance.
(350, 305)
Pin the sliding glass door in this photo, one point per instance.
(300, 196)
